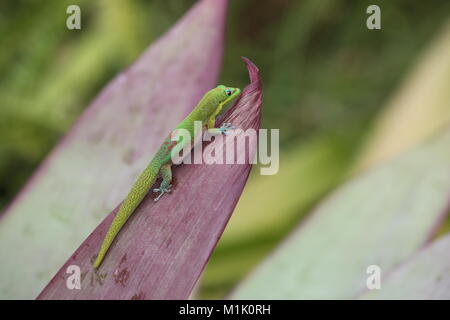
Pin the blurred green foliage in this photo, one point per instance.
(324, 73)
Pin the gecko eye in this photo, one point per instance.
(228, 92)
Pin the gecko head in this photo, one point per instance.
(216, 98)
(226, 94)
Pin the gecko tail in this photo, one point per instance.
(128, 206)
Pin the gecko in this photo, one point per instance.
(161, 165)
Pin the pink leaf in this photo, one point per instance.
(92, 169)
(161, 251)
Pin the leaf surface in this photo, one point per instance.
(424, 276)
(163, 248)
(379, 218)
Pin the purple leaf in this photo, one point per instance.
(92, 169)
(161, 251)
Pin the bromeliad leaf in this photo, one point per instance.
(161, 251)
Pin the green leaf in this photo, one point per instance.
(378, 218)
(424, 276)
(418, 109)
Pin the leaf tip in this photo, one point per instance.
(252, 70)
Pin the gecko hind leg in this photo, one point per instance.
(165, 186)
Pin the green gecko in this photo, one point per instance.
(206, 111)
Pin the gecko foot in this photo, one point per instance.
(225, 127)
(162, 190)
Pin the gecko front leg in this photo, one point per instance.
(224, 128)
(165, 186)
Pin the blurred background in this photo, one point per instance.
(330, 84)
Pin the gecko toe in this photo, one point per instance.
(167, 189)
